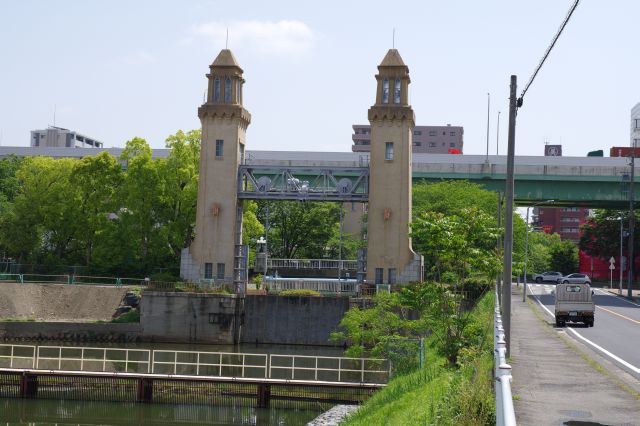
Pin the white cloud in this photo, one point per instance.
(282, 37)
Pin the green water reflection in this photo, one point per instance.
(49, 412)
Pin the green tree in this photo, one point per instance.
(299, 229)
(43, 222)
(97, 180)
(564, 257)
(451, 197)
(540, 251)
(600, 236)
(179, 189)
(141, 198)
(457, 245)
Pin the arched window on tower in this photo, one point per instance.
(216, 89)
(238, 92)
(396, 92)
(385, 91)
(227, 90)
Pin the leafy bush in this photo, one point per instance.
(131, 316)
(257, 280)
(164, 277)
(301, 293)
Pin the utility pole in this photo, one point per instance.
(632, 220)
(508, 220)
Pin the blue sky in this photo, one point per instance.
(118, 69)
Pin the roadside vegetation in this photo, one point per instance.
(450, 313)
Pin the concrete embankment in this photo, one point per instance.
(69, 331)
(41, 312)
(51, 302)
(214, 318)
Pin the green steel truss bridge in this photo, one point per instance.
(594, 182)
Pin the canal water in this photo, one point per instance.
(40, 412)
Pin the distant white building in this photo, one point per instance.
(635, 126)
(57, 137)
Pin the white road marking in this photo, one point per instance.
(600, 348)
(606, 293)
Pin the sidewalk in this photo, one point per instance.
(552, 384)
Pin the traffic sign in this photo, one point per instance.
(612, 260)
(612, 266)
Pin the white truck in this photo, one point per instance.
(574, 303)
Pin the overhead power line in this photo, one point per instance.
(546, 54)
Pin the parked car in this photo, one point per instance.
(575, 279)
(549, 276)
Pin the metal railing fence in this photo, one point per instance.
(326, 368)
(312, 264)
(73, 279)
(505, 413)
(326, 286)
(195, 363)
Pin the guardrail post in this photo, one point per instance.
(21, 278)
(145, 389)
(29, 385)
(264, 395)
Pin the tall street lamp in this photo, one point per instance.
(526, 247)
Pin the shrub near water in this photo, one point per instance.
(441, 393)
(301, 293)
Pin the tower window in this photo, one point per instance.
(238, 92)
(216, 89)
(379, 275)
(392, 275)
(385, 91)
(227, 90)
(388, 151)
(396, 92)
(219, 148)
(220, 271)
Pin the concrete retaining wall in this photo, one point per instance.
(203, 318)
(187, 317)
(66, 331)
(292, 320)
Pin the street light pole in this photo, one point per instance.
(632, 218)
(498, 134)
(488, 111)
(621, 269)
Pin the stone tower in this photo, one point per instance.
(390, 258)
(219, 212)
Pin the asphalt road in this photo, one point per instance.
(616, 331)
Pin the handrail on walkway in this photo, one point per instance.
(505, 413)
(71, 279)
(195, 363)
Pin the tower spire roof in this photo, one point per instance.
(225, 59)
(392, 59)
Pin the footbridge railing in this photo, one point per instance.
(195, 363)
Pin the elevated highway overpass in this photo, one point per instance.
(596, 182)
